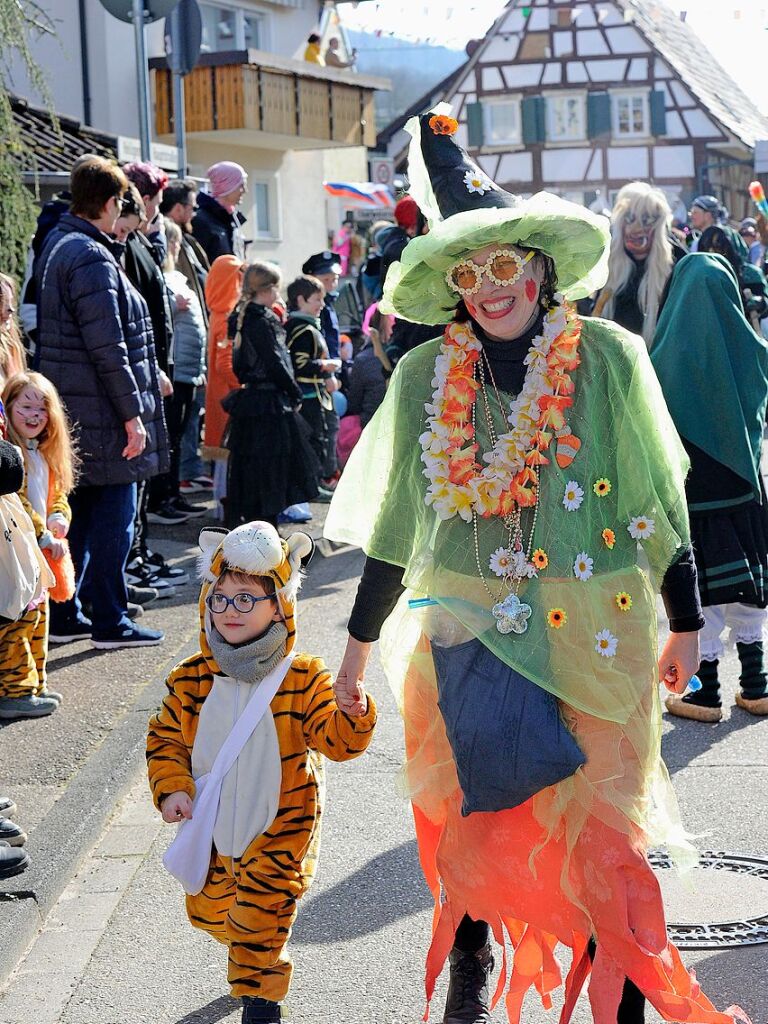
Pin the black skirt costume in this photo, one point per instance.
(271, 463)
(729, 533)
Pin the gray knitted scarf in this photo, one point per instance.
(252, 661)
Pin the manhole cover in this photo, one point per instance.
(721, 904)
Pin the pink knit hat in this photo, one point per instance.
(225, 177)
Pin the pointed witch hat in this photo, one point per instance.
(467, 211)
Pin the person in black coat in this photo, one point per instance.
(271, 462)
(217, 222)
(96, 346)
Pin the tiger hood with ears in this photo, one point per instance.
(257, 550)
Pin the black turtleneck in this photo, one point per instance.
(382, 583)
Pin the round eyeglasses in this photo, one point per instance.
(503, 267)
(242, 603)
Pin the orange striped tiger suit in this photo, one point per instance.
(24, 643)
(249, 902)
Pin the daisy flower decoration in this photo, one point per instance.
(540, 558)
(609, 538)
(556, 618)
(641, 527)
(500, 562)
(582, 567)
(477, 182)
(573, 497)
(623, 601)
(606, 643)
(602, 487)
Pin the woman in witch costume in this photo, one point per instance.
(506, 481)
(703, 337)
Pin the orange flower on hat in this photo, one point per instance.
(540, 558)
(609, 537)
(441, 124)
(556, 618)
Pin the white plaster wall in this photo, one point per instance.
(501, 48)
(699, 125)
(576, 72)
(675, 127)
(513, 22)
(304, 205)
(628, 162)
(538, 21)
(563, 43)
(607, 70)
(590, 43)
(638, 69)
(585, 16)
(626, 40)
(673, 162)
(681, 94)
(518, 75)
(553, 74)
(516, 168)
(565, 164)
(491, 79)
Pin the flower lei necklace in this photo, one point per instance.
(458, 483)
(509, 481)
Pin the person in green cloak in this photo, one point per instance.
(501, 493)
(713, 370)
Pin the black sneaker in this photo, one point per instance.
(141, 595)
(139, 574)
(27, 707)
(260, 1011)
(189, 510)
(13, 860)
(11, 833)
(7, 807)
(66, 633)
(167, 515)
(133, 611)
(131, 636)
(469, 998)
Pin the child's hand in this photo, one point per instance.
(58, 526)
(679, 660)
(58, 549)
(176, 807)
(348, 687)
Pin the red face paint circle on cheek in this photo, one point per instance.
(472, 309)
(531, 290)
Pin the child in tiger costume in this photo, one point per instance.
(38, 425)
(263, 837)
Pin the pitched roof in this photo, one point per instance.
(44, 150)
(682, 49)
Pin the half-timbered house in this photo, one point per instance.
(580, 96)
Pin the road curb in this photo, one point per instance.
(76, 821)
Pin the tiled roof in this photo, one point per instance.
(45, 151)
(682, 49)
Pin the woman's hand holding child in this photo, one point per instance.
(348, 687)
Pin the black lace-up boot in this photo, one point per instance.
(260, 1011)
(468, 999)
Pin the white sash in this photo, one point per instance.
(189, 855)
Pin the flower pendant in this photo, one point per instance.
(512, 615)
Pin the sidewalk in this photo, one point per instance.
(117, 948)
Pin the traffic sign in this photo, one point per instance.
(153, 9)
(183, 36)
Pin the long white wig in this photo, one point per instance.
(640, 199)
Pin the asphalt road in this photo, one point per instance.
(116, 947)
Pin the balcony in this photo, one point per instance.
(250, 97)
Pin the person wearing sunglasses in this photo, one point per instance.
(257, 853)
(516, 465)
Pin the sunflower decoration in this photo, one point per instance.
(441, 124)
(540, 558)
(556, 618)
(609, 538)
(623, 601)
(602, 487)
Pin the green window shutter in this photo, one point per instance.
(658, 113)
(532, 109)
(475, 128)
(598, 114)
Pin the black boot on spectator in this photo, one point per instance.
(171, 573)
(754, 684)
(142, 595)
(13, 860)
(11, 833)
(469, 997)
(188, 509)
(703, 706)
(166, 515)
(139, 574)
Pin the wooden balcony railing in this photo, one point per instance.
(307, 106)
